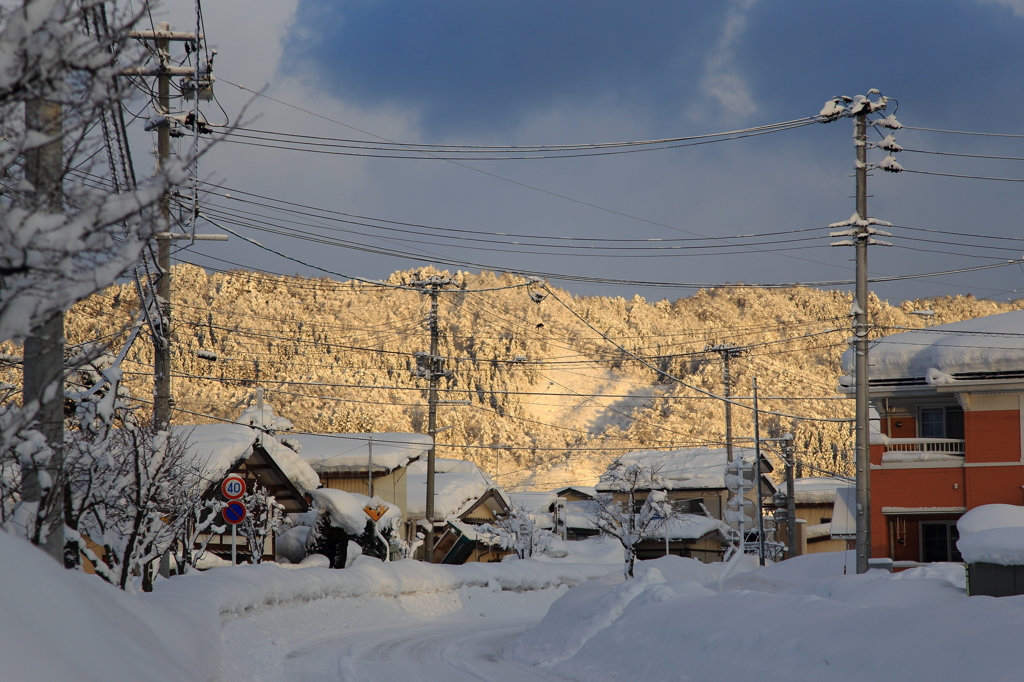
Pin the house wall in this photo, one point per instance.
(814, 514)
(389, 487)
(992, 472)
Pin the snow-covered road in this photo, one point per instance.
(450, 636)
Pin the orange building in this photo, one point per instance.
(948, 439)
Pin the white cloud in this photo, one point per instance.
(1016, 5)
(722, 81)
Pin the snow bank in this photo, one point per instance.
(65, 625)
(242, 589)
(992, 533)
(584, 611)
(801, 619)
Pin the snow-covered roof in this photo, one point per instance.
(533, 502)
(587, 490)
(215, 449)
(350, 452)
(949, 349)
(679, 469)
(992, 533)
(457, 485)
(816, 489)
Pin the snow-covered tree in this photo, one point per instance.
(518, 531)
(54, 253)
(265, 515)
(631, 520)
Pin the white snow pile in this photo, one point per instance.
(595, 550)
(346, 509)
(65, 625)
(244, 589)
(939, 352)
(801, 619)
(457, 485)
(992, 533)
(675, 469)
(350, 452)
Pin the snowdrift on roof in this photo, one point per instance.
(678, 469)
(457, 485)
(350, 452)
(913, 353)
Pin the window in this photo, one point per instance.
(938, 541)
(942, 422)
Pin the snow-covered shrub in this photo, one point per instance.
(519, 532)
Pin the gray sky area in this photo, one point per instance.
(578, 71)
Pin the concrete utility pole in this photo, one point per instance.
(163, 401)
(727, 351)
(433, 370)
(757, 473)
(43, 379)
(861, 236)
(860, 331)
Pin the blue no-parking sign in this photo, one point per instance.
(234, 513)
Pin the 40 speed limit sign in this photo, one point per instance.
(233, 487)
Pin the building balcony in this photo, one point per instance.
(923, 449)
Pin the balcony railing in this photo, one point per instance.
(937, 446)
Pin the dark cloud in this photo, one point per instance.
(464, 64)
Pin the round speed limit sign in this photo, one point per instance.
(233, 487)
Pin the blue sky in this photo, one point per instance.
(572, 71)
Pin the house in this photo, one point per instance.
(463, 496)
(357, 462)
(695, 483)
(261, 459)
(580, 511)
(949, 400)
(815, 506)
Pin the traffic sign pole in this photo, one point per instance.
(234, 540)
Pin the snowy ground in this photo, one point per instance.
(521, 620)
(451, 636)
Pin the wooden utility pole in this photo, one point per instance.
(43, 378)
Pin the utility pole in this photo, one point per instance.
(860, 234)
(163, 401)
(727, 351)
(789, 452)
(43, 377)
(431, 367)
(757, 472)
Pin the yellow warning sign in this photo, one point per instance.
(375, 512)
